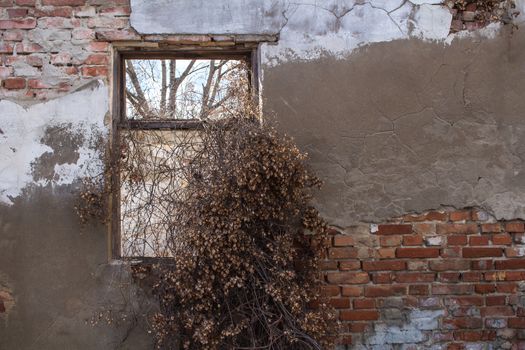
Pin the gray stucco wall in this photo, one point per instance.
(409, 126)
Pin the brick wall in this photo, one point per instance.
(50, 47)
(451, 279)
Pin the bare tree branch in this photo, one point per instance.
(164, 88)
(141, 98)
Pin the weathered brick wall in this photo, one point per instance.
(50, 47)
(444, 279)
(450, 279)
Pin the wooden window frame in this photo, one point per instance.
(119, 121)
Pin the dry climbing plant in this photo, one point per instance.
(228, 208)
(245, 243)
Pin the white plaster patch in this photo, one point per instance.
(307, 29)
(412, 332)
(22, 130)
(432, 22)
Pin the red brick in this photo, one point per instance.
(457, 228)
(361, 315)
(515, 252)
(495, 300)
(495, 276)
(340, 303)
(497, 311)
(513, 264)
(516, 322)
(471, 276)
(463, 322)
(424, 229)
(6, 47)
(34, 61)
(342, 253)
(506, 287)
(14, 83)
(394, 229)
(474, 336)
(386, 253)
(449, 265)
(26, 23)
(325, 265)
(457, 240)
(26, 2)
(485, 288)
(382, 278)
(482, 252)
(364, 303)
(514, 275)
(515, 227)
(482, 265)
(117, 11)
(449, 277)
(430, 216)
(418, 289)
(329, 291)
(390, 241)
(479, 240)
(451, 252)
(29, 48)
(464, 301)
(17, 12)
(37, 84)
(385, 291)
(417, 265)
(357, 327)
(63, 2)
(347, 277)
(490, 228)
(502, 239)
(339, 240)
(349, 265)
(352, 291)
(116, 35)
(98, 46)
(417, 252)
(461, 215)
(53, 12)
(467, 335)
(384, 265)
(408, 277)
(412, 240)
(443, 289)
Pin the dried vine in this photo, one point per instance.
(228, 209)
(244, 268)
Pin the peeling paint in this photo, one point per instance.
(307, 29)
(24, 128)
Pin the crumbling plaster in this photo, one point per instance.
(23, 134)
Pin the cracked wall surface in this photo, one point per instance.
(408, 126)
(398, 116)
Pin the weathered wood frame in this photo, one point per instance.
(249, 54)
